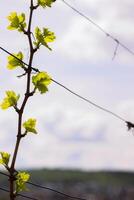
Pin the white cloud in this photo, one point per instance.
(72, 133)
(83, 40)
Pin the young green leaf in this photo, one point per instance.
(4, 160)
(41, 81)
(43, 37)
(10, 100)
(29, 125)
(45, 3)
(22, 178)
(14, 62)
(17, 22)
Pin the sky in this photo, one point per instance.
(71, 133)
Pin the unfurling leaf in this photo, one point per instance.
(4, 160)
(14, 62)
(43, 37)
(22, 178)
(45, 3)
(17, 22)
(41, 81)
(10, 100)
(29, 125)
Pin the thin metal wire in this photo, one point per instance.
(21, 195)
(4, 174)
(3, 49)
(115, 51)
(99, 27)
(69, 90)
(50, 189)
(79, 96)
(55, 191)
(90, 102)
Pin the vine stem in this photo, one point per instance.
(20, 111)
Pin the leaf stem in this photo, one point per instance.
(20, 111)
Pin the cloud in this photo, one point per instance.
(71, 132)
(83, 40)
(69, 138)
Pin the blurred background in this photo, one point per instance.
(73, 135)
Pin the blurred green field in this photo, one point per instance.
(103, 178)
(99, 184)
(58, 175)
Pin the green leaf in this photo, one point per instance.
(45, 3)
(10, 100)
(41, 81)
(22, 178)
(4, 158)
(14, 62)
(43, 37)
(29, 125)
(48, 35)
(17, 22)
